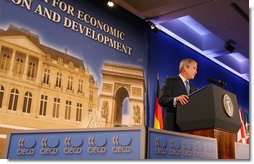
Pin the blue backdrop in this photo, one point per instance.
(165, 54)
(154, 52)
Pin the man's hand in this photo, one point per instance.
(183, 99)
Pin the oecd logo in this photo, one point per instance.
(73, 145)
(175, 148)
(49, 145)
(121, 144)
(161, 146)
(97, 144)
(198, 150)
(26, 146)
(187, 149)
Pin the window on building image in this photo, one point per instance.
(19, 63)
(19, 66)
(13, 99)
(56, 107)
(58, 80)
(80, 86)
(46, 76)
(43, 105)
(91, 96)
(79, 112)
(1, 95)
(32, 67)
(5, 58)
(67, 114)
(5, 62)
(27, 102)
(31, 70)
(70, 82)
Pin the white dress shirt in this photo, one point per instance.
(183, 79)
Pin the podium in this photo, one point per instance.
(212, 112)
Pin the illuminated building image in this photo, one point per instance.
(43, 88)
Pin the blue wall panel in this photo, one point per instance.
(165, 54)
(91, 144)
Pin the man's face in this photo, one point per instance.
(191, 70)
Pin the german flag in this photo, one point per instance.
(158, 119)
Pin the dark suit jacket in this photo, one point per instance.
(172, 87)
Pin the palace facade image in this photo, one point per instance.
(43, 88)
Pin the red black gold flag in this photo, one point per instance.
(158, 119)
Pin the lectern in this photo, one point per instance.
(212, 112)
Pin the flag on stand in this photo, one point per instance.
(247, 125)
(248, 135)
(158, 119)
(241, 135)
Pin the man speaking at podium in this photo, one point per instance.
(176, 89)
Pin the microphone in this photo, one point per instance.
(218, 82)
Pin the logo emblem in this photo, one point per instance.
(97, 144)
(28, 143)
(74, 141)
(51, 142)
(121, 144)
(49, 145)
(26, 146)
(160, 142)
(228, 105)
(73, 144)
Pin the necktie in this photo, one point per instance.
(187, 86)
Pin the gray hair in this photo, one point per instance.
(185, 62)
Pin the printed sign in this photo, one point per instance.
(172, 145)
(117, 143)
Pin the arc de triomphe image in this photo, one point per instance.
(123, 86)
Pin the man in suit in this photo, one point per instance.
(176, 90)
